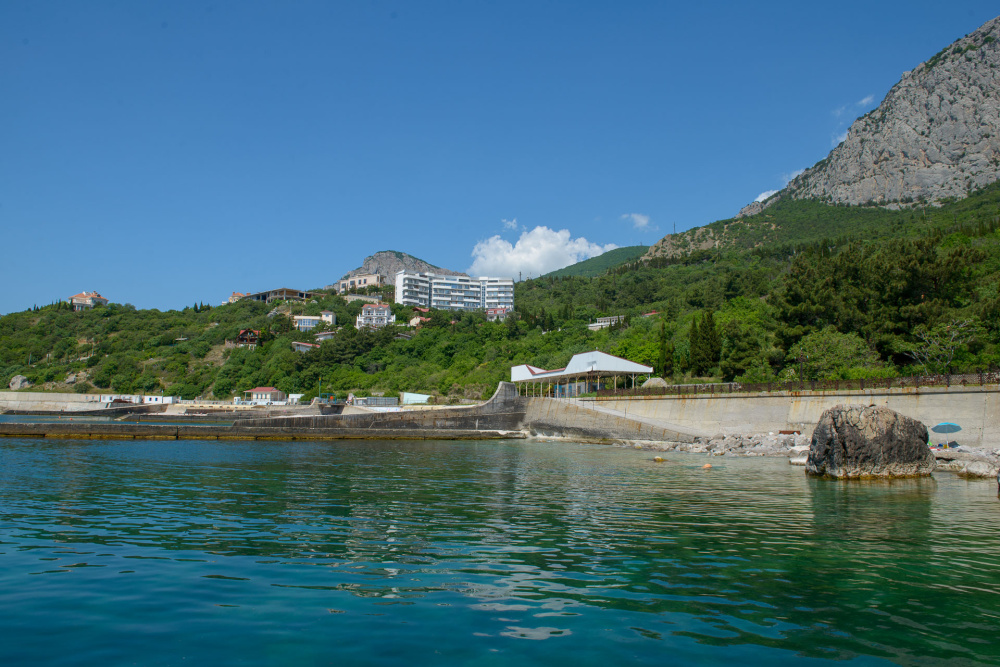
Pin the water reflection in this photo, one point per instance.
(533, 542)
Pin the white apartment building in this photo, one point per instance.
(432, 290)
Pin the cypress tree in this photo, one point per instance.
(713, 339)
(695, 354)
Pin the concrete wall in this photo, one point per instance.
(564, 418)
(975, 409)
(37, 400)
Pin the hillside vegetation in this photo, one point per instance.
(880, 293)
(595, 266)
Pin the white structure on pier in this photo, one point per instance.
(582, 374)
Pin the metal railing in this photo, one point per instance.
(950, 380)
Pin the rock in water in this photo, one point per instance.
(19, 382)
(859, 441)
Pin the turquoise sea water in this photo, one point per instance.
(481, 553)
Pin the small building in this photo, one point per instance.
(360, 281)
(325, 335)
(409, 398)
(86, 300)
(497, 314)
(246, 339)
(264, 395)
(280, 294)
(295, 399)
(310, 322)
(604, 322)
(584, 373)
(236, 296)
(367, 298)
(304, 347)
(375, 316)
(373, 401)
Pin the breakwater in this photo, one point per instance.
(132, 431)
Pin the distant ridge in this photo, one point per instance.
(601, 264)
(387, 263)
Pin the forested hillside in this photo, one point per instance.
(910, 291)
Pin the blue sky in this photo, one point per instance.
(165, 153)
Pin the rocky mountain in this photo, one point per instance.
(387, 263)
(935, 135)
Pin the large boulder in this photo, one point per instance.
(19, 382)
(853, 441)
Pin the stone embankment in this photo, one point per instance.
(966, 462)
(761, 444)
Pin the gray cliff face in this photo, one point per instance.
(935, 135)
(852, 441)
(387, 263)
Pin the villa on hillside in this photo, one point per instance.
(360, 281)
(584, 373)
(235, 296)
(280, 294)
(310, 322)
(304, 347)
(86, 300)
(604, 322)
(497, 314)
(375, 316)
(247, 338)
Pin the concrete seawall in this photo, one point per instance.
(664, 418)
(975, 409)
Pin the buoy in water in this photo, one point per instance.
(706, 466)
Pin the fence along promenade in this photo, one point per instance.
(979, 379)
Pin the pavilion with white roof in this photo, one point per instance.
(582, 374)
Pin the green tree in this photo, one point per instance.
(829, 355)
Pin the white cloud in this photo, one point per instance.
(764, 195)
(838, 139)
(509, 224)
(639, 221)
(536, 252)
(866, 100)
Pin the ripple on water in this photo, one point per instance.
(448, 552)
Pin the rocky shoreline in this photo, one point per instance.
(964, 461)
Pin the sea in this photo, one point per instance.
(516, 552)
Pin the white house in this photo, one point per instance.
(375, 316)
(86, 300)
(310, 322)
(497, 314)
(304, 347)
(265, 395)
(604, 322)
